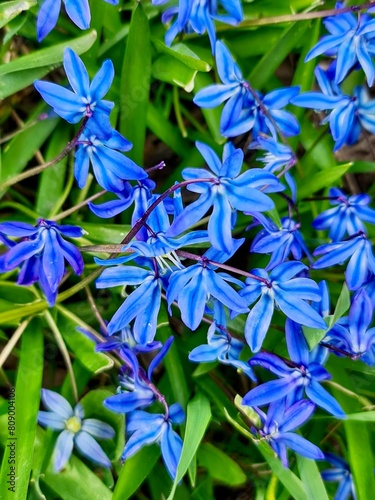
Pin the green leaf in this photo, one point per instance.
(183, 54)
(165, 131)
(171, 70)
(321, 180)
(135, 83)
(106, 234)
(21, 72)
(220, 466)
(343, 304)
(198, 417)
(273, 58)
(315, 335)
(311, 478)
(135, 471)
(10, 10)
(76, 481)
(27, 397)
(365, 416)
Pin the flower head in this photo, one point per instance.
(86, 99)
(340, 473)
(42, 251)
(77, 431)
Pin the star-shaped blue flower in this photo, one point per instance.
(77, 431)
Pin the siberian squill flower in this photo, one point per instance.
(340, 473)
(349, 114)
(280, 420)
(351, 40)
(358, 249)
(223, 347)
(86, 99)
(111, 168)
(77, 10)
(243, 112)
(289, 295)
(77, 431)
(42, 252)
(352, 333)
(194, 286)
(147, 428)
(125, 340)
(229, 190)
(347, 216)
(198, 16)
(279, 241)
(302, 375)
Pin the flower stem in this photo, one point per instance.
(83, 203)
(39, 168)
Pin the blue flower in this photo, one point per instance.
(86, 100)
(42, 250)
(145, 428)
(341, 474)
(222, 347)
(349, 113)
(351, 40)
(198, 16)
(347, 217)
(277, 424)
(229, 191)
(194, 286)
(243, 112)
(110, 167)
(280, 241)
(77, 431)
(143, 304)
(125, 340)
(304, 375)
(77, 10)
(289, 294)
(352, 333)
(357, 248)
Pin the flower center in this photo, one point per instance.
(73, 424)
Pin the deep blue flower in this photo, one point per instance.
(280, 241)
(347, 216)
(42, 252)
(142, 305)
(86, 100)
(125, 340)
(77, 431)
(198, 16)
(194, 286)
(341, 474)
(243, 112)
(352, 333)
(145, 428)
(77, 10)
(302, 375)
(111, 168)
(357, 248)
(229, 191)
(351, 40)
(288, 294)
(349, 114)
(223, 347)
(282, 418)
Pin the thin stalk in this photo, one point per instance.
(83, 203)
(39, 168)
(13, 341)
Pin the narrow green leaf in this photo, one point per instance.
(10, 10)
(198, 417)
(27, 397)
(311, 478)
(182, 53)
(365, 416)
(321, 180)
(106, 234)
(21, 72)
(135, 83)
(273, 58)
(165, 131)
(135, 471)
(343, 304)
(171, 70)
(220, 466)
